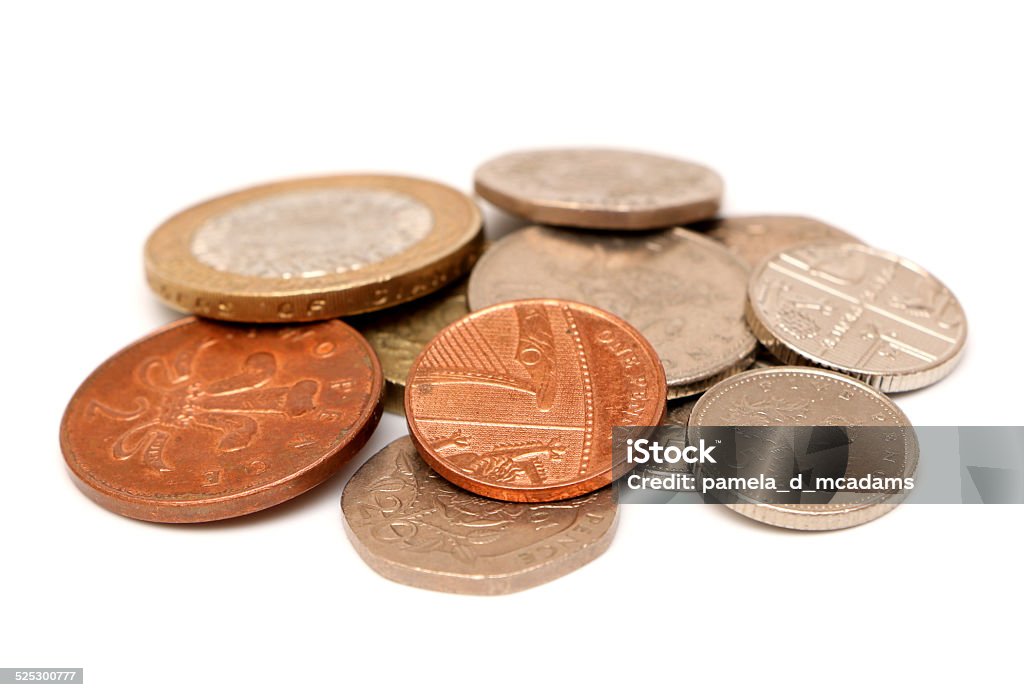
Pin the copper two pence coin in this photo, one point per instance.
(517, 401)
(202, 421)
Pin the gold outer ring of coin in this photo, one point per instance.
(810, 517)
(787, 350)
(676, 209)
(185, 283)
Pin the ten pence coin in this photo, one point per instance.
(202, 421)
(412, 526)
(518, 401)
(685, 293)
(600, 188)
(857, 310)
(310, 249)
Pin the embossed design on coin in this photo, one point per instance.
(203, 421)
(311, 249)
(412, 526)
(517, 401)
(399, 334)
(683, 292)
(600, 188)
(881, 441)
(325, 230)
(857, 310)
(754, 238)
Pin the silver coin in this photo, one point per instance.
(857, 310)
(328, 231)
(882, 445)
(600, 188)
(753, 238)
(414, 527)
(684, 293)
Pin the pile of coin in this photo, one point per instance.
(512, 380)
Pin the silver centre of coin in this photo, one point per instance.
(310, 233)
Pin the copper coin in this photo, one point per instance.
(202, 421)
(413, 527)
(753, 238)
(517, 401)
(600, 188)
(857, 310)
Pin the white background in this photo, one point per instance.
(899, 124)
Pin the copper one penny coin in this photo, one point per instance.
(201, 421)
(517, 401)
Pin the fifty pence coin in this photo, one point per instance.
(857, 310)
(414, 527)
(309, 249)
(202, 421)
(782, 405)
(754, 238)
(517, 401)
(685, 293)
(399, 334)
(600, 188)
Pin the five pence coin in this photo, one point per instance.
(847, 422)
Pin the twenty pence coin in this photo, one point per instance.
(600, 188)
(412, 526)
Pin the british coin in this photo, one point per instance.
(754, 238)
(310, 249)
(685, 293)
(600, 188)
(677, 415)
(876, 439)
(859, 311)
(202, 421)
(517, 401)
(412, 526)
(679, 412)
(399, 334)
